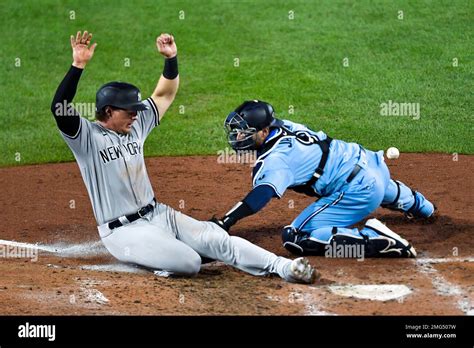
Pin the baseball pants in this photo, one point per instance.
(371, 188)
(171, 241)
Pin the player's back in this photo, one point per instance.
(297, 160)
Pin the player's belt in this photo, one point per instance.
(127, 219)
(357, 167)
(354, 172)
(310, 190)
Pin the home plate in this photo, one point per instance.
(383, 292)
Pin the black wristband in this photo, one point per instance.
(170, 70)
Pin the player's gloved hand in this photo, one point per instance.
(220, 223)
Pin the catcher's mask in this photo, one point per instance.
(246, 120)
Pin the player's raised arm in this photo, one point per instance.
(167, 86)
(66, 116)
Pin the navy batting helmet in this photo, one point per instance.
(247, 119)
(121, 95)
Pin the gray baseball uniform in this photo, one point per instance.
(113, 168)
(112, 165)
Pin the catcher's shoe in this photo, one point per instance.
(300, 271)
(396, 246)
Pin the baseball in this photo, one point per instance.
(392, 153)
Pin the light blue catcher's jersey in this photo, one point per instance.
(290, 163)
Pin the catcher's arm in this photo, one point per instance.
(168, 84)
(251, 204)
(67, 118)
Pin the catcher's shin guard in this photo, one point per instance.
(358, 244)
(299, 243)
(388, 243)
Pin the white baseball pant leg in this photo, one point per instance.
(172, 241)
(211, 241)
(151, 245)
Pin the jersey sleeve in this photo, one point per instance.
(274, 172)
(147, 119)
(80, 143)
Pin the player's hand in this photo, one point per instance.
(166, 45)
(82, 51)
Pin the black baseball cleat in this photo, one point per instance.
(389, 244)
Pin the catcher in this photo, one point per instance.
(348, 181)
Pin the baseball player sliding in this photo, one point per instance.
(133, 226)
(349, 181)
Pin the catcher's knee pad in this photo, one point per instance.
(291, 238)
(299, 243)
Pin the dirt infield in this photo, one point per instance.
(74, 274)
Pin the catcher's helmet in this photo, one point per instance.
(121, 95)
(247, 119)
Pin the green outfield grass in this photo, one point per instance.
(284, 61)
